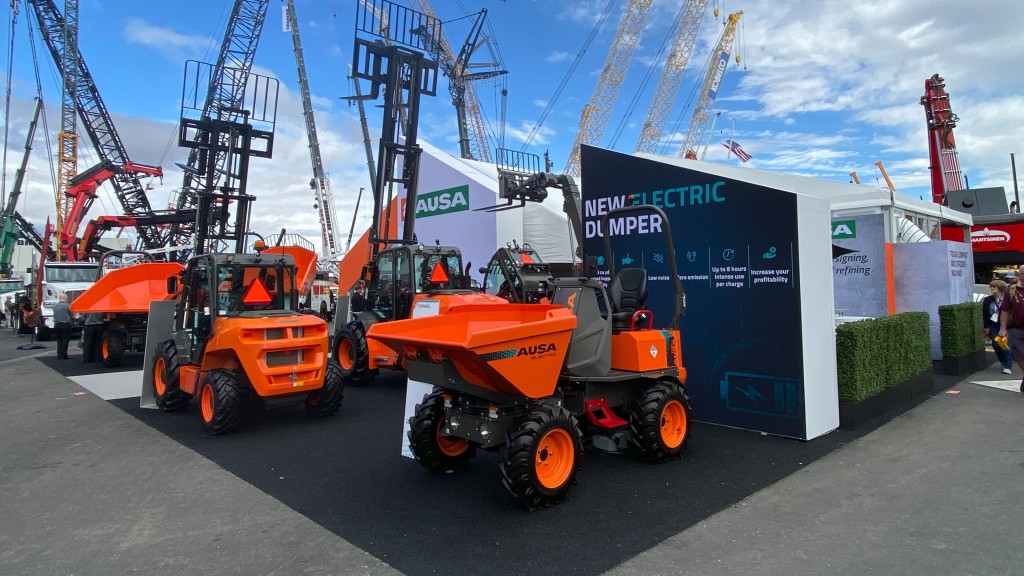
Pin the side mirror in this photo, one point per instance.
(172, 284)
(482, 270)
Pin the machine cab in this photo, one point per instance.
(232, 285)
(517, 274)
(403, 272)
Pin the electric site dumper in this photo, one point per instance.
(237, 332)
(534, 381)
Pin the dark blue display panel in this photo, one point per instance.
(736, 253)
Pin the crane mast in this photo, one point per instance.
(223, 101)
(11, 222)
(595, 114)
(943, 160)
(320, 183)
(709, 90)
(472, 132)
(100, 128)
(67, 138)
(671, 76)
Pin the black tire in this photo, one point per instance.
(112, 348)
(353, 354)
(325, 312)
(220, 401)
(327, 399)
(540, 459)
(167, 379)
(659, 418)
(436, 452)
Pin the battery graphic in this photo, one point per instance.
(761, 394)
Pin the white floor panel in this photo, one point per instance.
(112, 385)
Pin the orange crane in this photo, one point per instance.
(671, 76)
(595, 114)
(709, 90)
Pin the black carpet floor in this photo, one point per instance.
(346, 473)
(74, 366)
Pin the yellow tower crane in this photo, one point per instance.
(620, 54)
(709, 90)
(671, 76)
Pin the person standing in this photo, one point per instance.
(1011, 321)
(92, 333)
(990, 318)
(357, 302)
(62, 325)
(12, 312)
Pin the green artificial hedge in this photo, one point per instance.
(879, 353)
(960, 329)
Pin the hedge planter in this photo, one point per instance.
(895, 400)
(965, 364)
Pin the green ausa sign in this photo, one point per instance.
(443, 201)
(844, 229)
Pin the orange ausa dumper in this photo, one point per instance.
(237, 332)
(532, 381)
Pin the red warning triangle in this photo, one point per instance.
(439, 275)
(256, 294)
(526, 258)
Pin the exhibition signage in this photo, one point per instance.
(737, 253)
(859, 270)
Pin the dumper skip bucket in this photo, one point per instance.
(511, 348)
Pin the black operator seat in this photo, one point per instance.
(628, 293)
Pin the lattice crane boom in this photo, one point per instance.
(595, 114)
(320, 183)
(67, 138)
(472, 131)
(943, 160)
(709, 89)
(671, 76)
(224, 98)
(100, 128)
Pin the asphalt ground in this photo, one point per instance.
(105, 487)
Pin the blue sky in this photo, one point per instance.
(824, 88)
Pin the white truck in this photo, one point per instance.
(71, 278)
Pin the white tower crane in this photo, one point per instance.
(709, 90)
(320, 183)
(606, 92)
(671, 76)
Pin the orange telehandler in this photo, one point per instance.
(533, 380)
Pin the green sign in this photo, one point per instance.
(842, 229)
(443, 201)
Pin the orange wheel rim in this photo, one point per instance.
(450, 446)
(206, 403)
(105, 349)
(346, 357)
(159, 384)
(673, 424)
(555, 458)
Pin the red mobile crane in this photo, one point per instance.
(996, 238)
(115, 165)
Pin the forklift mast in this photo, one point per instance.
(394, 55)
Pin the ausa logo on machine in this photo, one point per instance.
(443, 201)
(842, 229)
